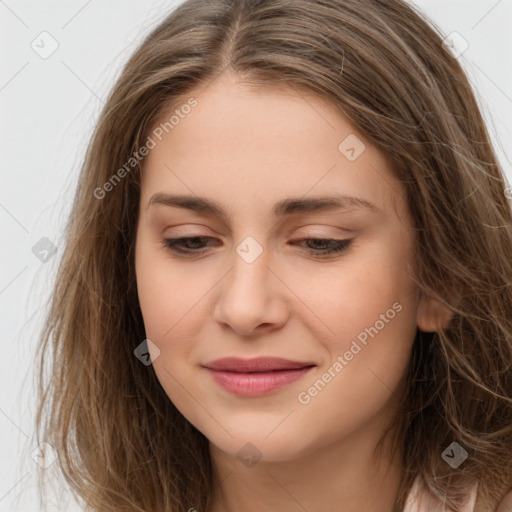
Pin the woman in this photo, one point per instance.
(255, 370)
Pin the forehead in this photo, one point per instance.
(251, 148)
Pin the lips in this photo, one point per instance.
(259, 364)
(256, 377)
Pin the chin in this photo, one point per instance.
(251, 446)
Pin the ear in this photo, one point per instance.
(432, 315)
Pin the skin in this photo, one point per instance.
(248, 150)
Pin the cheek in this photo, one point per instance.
(368, 355)
(369, 308)
(167, 300)
(155, 291)
(174, 301)
(166, 294)
(372, 291)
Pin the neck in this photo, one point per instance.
(345, 476)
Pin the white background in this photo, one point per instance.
(47, 110)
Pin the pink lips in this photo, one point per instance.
(255, 377)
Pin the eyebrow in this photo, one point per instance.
(280, 209)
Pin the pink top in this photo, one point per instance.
(421, 500)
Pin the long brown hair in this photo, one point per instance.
(122, 444)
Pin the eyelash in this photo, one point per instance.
(338, 246)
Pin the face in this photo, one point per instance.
(244, 271)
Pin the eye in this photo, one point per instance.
(192, 246)
(177, 244)
(328, 246)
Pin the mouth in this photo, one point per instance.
(258, 364)
(256, 377)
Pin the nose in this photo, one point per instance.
(252, 298)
